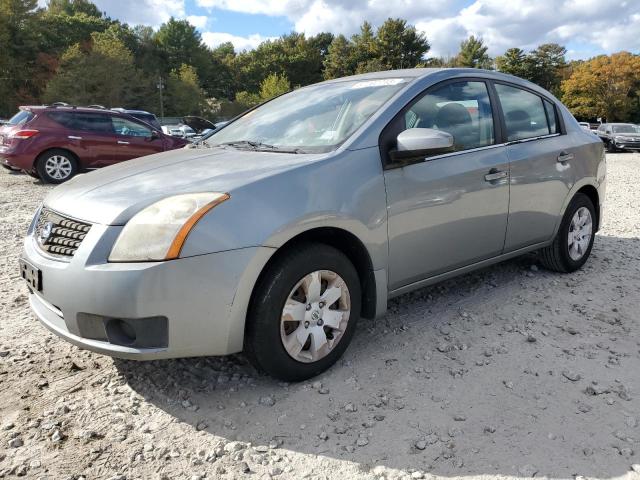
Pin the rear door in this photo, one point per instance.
(541, 158)
(135, 139)
(89, 135)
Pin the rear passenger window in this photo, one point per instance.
(524, 113)
(93, 122)
(462, 109)
(66, 119)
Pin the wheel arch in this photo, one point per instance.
(592, 192)
(350, 245)
(591, 188)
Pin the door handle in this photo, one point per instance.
(122, 142)
(73, 137)
(565, 157)
(495, 174)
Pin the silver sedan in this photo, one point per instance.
(278, 232)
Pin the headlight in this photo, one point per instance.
(159, 231)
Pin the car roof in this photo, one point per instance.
(425, 72)
(141, 112)
(70, 108)
(417, 74)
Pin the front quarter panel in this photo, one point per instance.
(343, 191)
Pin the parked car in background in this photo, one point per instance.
(277, 233)
(619, 136)
(180, 131)
(146, 117)
(585, 126)
(190, 127)
(54, 143)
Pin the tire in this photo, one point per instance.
(56, 166)
(558, 256)
(32, 174)
(268, 329)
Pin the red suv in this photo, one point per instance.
(54, 143)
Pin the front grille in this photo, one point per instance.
(58, 235)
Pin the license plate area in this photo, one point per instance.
(31, 274)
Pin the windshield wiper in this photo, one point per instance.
(259, 146)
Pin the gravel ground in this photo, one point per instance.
(512, 371)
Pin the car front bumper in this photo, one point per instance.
(187, 307)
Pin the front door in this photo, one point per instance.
(449, 210)
(134, 139)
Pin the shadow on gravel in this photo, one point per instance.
(511, 370)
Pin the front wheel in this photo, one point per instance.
(572, 246)
(56, 166)
(304, 312)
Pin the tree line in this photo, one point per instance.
(71, 51)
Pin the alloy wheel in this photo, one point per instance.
(58, 167)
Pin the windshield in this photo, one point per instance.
(20, 118)
(311, 119)
(625, 129)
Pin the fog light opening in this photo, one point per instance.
(120, 332)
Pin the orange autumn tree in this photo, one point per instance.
(606, 86)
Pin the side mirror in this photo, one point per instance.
(423, 142)
(414, 144)
(154, 134)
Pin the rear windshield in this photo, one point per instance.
(20, 118)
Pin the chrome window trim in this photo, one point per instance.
(487, 147)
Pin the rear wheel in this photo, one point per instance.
(304, 312)
(56, 166)
(572, 246)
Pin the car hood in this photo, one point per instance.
(112, 195)
(634, 136)
(198, 123)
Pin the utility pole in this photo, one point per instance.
(161, 87)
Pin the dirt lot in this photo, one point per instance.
(510, 371)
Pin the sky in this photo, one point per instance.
(585, 27)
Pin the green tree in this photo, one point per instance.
(606, 86)
(180, 43)
(515, 62)
(19, 54)
(364, 47)
(274, 85)
(400, 45)
(473, 54)
(103, 73)
(547, 64)
(247, 99)
(338, 62)
(184, 94)
(74, 7)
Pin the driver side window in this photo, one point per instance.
(125, 127)
(462, 109)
